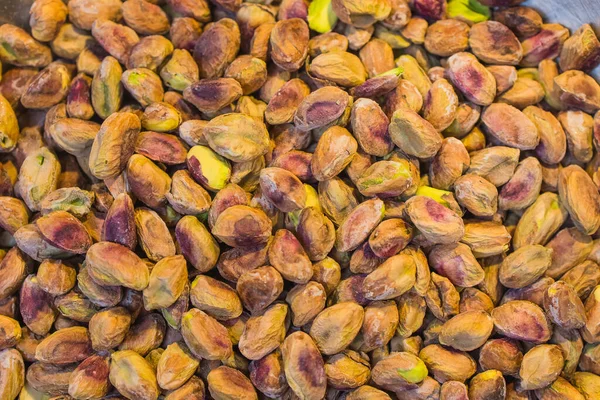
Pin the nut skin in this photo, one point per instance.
(462, 70)
(303, 363)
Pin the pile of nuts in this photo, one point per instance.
(340, 199)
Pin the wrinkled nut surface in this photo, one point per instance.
(238, 199)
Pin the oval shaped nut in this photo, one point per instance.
(578, 127)
(447, 37)
(547, 44)
(114, 144)
(144, 85)
(347, 370)
(108, 328)
(283, 105)
(107, 90)
(435, 222)
(456, 262)
(524, 186)
(215, 298)
(473, 80)
(216, 47)
(496, 164)
(249, 71)
(564, 307)
(147, 181)
(153, 234)
(414, 135)
(175, 366)
(585, 211)
(132, 375)
(394, 277)
(361, 15)
(522, 320)
(450, 162)
(11, 332)
(160, 147)
(390, 237)
(205, 337)
(503, 355)
(553, 141)
(237, 137)
(180, 71)
(525, 266)
(116, 39)
(440, 105)
(334, 328)
(229, 383)
(38, 177)
(196, 243)
(64, 231)
(446, 364)
(90, 378)
(525, 92)
(13, 214)
(340, 67)
(162, 116)
(386, 178)
(212, 95)
(289, 258)
(145, 18)
(454, 390)
(258, 288)
(579, 90)
(208, 168)
(65, 346)
(9, 126)
(13, 376)
(379, 324)
(540, 367)
(306, 301)
(359, 224)
(398, 371)
(377, 57)
(505, 75)
(540, 221)
(283, 189)
(494, 43)
(467, 331)
(193, 389)
(370, 127)
(333, 153)
(241, 225)
(316, 233)
(36, 307)
(581, 50)
(321, 108)
(467, 116)
(264, 333)
(48, 88)
(230, 195)
(21, 50)
(303, 366)
(192, 132)
(487, 385)
(166, 283)
(289, 43)
(73, 135)
(47, 378)
(583, 277)
(114, 265)
(82, 14)
(119, 223)
(510, 126)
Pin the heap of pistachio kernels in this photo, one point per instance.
(340, 199)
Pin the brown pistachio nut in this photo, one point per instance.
(48, 88)
(447, 37)
(116, 39)
(107, 90)
(440, 105)
(310, 113)
(456, 262)
(91, 378)
(392, 278)
(342, 68)
(225, 383)
(545, 45)
(446, 364)
(303, 366)
(478, 195)
(414, 135)
(350, 234)
(151, 52)
(510, 126)
(437, 223)
(21, 50)
(525, 266)
(38, 177)
(585, 213)
(521, 320)
(289, 43)
(579, 90)
(113, 264)
(153, 234)
(581, 50)
(473, 80)
(107, 328)
(535, 373)
(494, 43)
